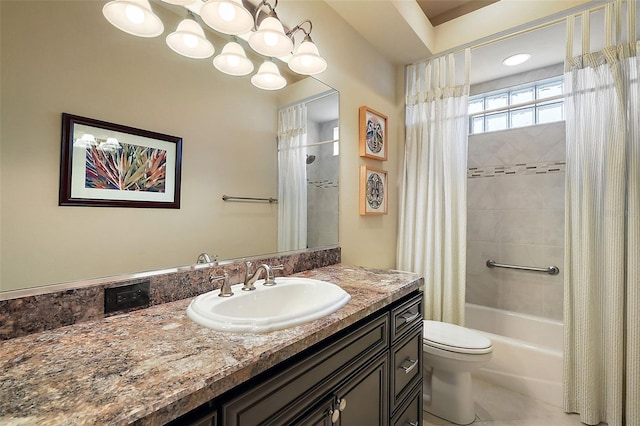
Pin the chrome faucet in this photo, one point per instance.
(205, 258)
(250, 279)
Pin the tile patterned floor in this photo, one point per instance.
(497, 406)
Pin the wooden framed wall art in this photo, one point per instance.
(373, 134)
(110, 165)
(373, 191)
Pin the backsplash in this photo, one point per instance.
(25, 314)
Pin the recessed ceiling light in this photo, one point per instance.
(516, 59)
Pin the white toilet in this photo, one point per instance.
(451, 353)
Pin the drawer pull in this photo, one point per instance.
(412, 424)
(408, 368)
(409, 317)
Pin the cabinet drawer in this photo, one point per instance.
(406, 316)
(410, 414)
(286, 394)
(406, 362)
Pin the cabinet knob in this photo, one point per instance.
(335, 415)
(412, 424)
(342, 404)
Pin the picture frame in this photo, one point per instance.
(110, 165)
(374, 193)
(373, 134)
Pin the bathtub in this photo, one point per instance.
(527, 351)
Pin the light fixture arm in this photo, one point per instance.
(272, 12)
(307, 34)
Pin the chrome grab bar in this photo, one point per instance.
(551, 270)
(230, 198)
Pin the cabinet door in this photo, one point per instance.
(287, 394)
(363, 399)
(322, 415)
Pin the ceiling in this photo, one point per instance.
(424, 27)
(440, 11)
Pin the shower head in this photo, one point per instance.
(310, 158)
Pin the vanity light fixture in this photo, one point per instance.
(134, 17)
(306, 60)
(189, 40)
(233, 60)
(516, 59)
(270, 39)
(268, 77)
(227, 16)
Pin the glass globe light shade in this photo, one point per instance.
(270, 39)
(268, 77)
(307, 60)
(227, 16)
(233, 60)
(189, 40)
(133, 17)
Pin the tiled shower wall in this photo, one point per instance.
(322, 190)
(515, 202)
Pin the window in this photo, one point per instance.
(526, 105)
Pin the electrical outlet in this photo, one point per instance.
(126, 297)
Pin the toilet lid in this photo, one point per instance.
(454, 338)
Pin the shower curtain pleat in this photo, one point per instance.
(432, 228)
(602, 296)
(632, 307)
(292, 178)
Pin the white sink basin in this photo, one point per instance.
(292, 301)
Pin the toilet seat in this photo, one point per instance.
(454, 338)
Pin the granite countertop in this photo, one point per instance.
(155, 364)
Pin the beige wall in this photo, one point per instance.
(65, 63)
(362, 77)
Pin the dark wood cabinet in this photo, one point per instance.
(410, 412)
(406, 350)
(365, 375)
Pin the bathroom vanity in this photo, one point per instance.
(359, 365)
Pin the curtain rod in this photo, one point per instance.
(485, 41)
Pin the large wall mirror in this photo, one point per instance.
(64, 57)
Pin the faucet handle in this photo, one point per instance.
(270, 280)
(225, 290)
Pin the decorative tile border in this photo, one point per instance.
(517, 169)
(26, 314)
(322, 183)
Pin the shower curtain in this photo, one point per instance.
(292, 178)
(602, 239)
(433, 209)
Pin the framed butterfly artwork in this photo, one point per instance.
(373, 191)
(373, 134)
